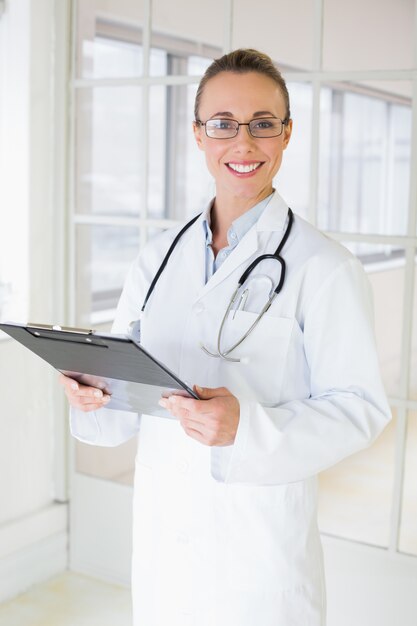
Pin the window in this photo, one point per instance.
(124, 182)
(365, 161)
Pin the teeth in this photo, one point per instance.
(243, 169)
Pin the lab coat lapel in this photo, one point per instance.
(194, 257)
(272, 219)
(246, 248)
(194, 248)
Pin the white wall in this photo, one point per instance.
(14, 157)
(33, 527)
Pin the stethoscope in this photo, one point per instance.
(243, 293)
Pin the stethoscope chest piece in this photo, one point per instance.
(239, 297)
(241, 294)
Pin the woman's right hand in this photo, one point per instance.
(82, 397)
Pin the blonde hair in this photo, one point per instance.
(242, 61)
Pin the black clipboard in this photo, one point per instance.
(116, 364)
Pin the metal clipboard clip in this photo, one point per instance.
(65, 329)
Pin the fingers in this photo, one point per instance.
(201, 410)
(67, 382)
(206, 393)
(211, 421)
(83, 397)
(179, 403)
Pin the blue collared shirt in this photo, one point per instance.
(236, 232)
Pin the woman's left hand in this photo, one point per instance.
(213, 420)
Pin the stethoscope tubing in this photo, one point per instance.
(224, 354)
(166, 259)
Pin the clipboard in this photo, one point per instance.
(116, 364)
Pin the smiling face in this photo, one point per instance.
(243, 166)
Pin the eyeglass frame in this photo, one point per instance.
(284, 122)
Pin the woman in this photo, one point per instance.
(225, 530)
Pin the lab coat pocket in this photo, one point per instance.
(263, 355)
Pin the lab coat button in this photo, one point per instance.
(199, 308)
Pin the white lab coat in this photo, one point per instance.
(227, 536)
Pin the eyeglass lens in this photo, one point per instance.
(262, 127)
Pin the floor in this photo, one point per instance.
(69, 600)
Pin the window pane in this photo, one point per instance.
(199, 183)
(388, 291)
(158, 62)
(104, 254)
(282, 29)
(197, 65)
(175, 59)
(364, 161)
(408, 529)
(292, 180)
(355, 495)
(385, 268)
(176, 55)
(179, 184)
(108, 151)
(370, 25)
(157, 161)
(109, 38)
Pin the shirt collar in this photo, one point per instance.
(240, 226)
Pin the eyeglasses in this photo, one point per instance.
(262, 127)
